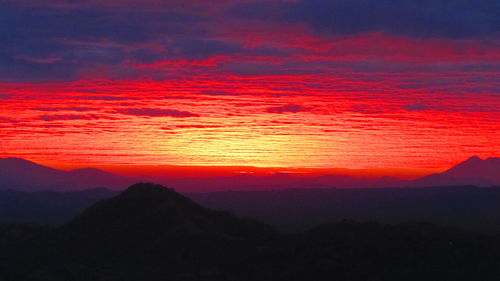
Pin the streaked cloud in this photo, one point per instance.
(155, 112)
(63, 117)
(289, 108)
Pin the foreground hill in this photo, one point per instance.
(149, 209)
(153, 233)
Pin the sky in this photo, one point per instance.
(359, 84)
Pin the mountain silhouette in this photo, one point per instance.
(150, 232)
(475, 167)
(23, 175)
(148, 211)
(20, 174)
(473, 171)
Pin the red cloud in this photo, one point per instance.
(154, 112)
(68, 117)
(213, 61)
(292, 108)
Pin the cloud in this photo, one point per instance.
(201, 126)
(67, 40)
(370, 109)
(57, 43)
(48, 60)
(292, 108)
(416, 107)
(63, 108)
(154, 112)
(63, 117)
(192, 126)
(458, 107)
(416, 18)
(107, 98)
(8, 120)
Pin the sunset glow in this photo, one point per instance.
(227, 86)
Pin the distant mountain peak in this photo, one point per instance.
(18, 161)
(474, 158)
(23, 167)
(477, 158)
(473, 171)
(13, 159)
(25, 175)
(476, 167)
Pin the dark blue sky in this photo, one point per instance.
(53, 40)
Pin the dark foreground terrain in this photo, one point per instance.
(465, 207)
(149, 232)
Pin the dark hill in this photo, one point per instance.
(150, 232)
(148, 211)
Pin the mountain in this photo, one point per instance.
(447, 180)
(145, 210)
(96, 177)
(23, 175)
(473, 171)
(475, 167)
(20, 174)
(150, 232)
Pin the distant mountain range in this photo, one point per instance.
(22, 175)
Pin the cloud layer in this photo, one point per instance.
(154, 112)
(68, 40)
(316, 83)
